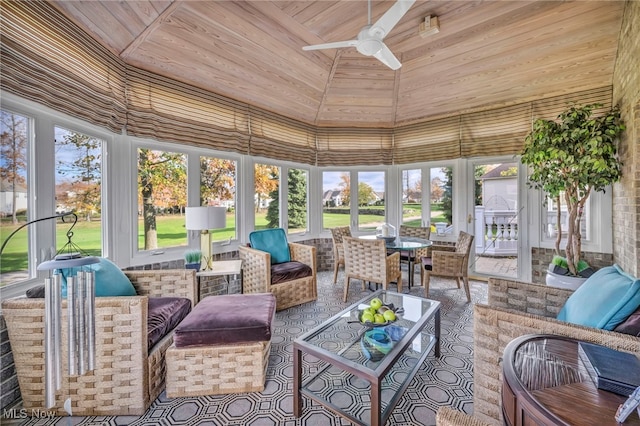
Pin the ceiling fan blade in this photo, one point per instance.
(388, 58)
(334, 45)
(391, 17)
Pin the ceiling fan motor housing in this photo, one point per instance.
(369, 41)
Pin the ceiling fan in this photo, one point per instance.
(369, 40)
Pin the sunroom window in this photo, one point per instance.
(79, 188)
(218, 188)
(162, 197)
(371, 200)
(266, 180)
(15, 133)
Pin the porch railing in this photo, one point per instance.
(496, 232)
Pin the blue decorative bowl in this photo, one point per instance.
(375, 344)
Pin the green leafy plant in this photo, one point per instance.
(559, 261)
(193, 256)
(570, 158)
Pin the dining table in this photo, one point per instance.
(403, 244)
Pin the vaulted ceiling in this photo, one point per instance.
(486, 55)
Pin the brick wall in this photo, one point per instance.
(626, 93)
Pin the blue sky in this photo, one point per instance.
(67, 154)
(331, 180)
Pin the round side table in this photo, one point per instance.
(546, 383)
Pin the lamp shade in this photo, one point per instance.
(205, 218)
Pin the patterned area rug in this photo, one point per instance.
(447, 381)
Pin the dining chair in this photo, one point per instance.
(423, 232)
(367, 260)
(337, 234)
(449, 262)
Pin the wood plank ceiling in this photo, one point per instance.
(487, 54)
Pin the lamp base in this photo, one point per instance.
(205, 245)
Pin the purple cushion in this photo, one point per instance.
(165, 313)
(406, 255)
(427, 263)
(631, 325)
(288, 271)
(227, 319)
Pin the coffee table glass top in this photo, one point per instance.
(342, 335)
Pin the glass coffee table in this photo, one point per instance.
(356, 381)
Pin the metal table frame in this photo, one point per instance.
(373, 376)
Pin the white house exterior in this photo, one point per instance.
(6, 198)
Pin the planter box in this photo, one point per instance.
(563, 281)
(195, 266)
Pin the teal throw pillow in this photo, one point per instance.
(273, 241)
(109, 279)
(604, 300)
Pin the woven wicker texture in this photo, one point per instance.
(449, 417)
(451, 262)
(423, 232)
(214, 370)
(367, 260)
(337, 235)
(127, 377)
(496, 326)
(256, 278)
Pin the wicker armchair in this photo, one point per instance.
(367, 260)
(423, 232)
(450, 262)
(128, 376)
(516, 309)
(256, 276)
(337, 234)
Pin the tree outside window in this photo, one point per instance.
(162, 189)
(79, 188)
(296, 203)
(14, 132)
(266, 181)
(218, 188)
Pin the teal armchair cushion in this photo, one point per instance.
(604, 300)
(109, 279)
(273, 241)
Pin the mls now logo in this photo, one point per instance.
(23, 413)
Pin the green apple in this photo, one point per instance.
(369, 310)
(367, 316)
(375, 303)
(379, 319)
(389, 315)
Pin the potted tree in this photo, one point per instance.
(569, 159)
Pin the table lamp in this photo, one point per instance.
(204, 219)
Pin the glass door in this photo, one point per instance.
(496, 224)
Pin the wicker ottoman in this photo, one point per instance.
(222, 346)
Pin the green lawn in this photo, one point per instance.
(171, 232)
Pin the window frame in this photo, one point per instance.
(41, 181)
(457, 171)
(119, 169)
(283, 193)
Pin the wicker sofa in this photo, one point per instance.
(128, 377)
(515, 309)
(447, 416)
